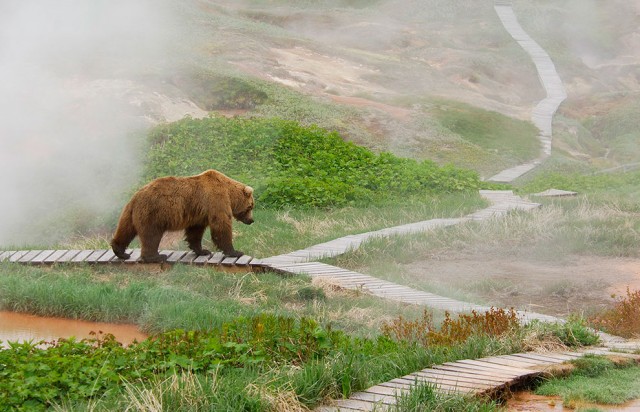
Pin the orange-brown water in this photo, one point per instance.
(22, 327)
(529, 402)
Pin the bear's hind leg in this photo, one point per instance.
(150, 241)
(193, 236)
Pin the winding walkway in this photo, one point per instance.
(542, 114)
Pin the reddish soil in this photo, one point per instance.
(528, 402)
(20, 327)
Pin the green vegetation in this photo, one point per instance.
(295, 166)
(602, 185)
(246, 342)
(515, 140)
(424, 397)
(184, 297)
(596, 380)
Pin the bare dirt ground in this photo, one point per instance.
(579, 284)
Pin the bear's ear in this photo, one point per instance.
(248, 190)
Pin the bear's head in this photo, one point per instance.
(245, 207)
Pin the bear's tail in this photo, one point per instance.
(125, 232)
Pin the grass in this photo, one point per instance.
(596, 380)
(184, 297)
(352, 348)
(492, 131)
(424, 397)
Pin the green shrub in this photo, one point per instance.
(293, 165)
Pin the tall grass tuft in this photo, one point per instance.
(425, 397)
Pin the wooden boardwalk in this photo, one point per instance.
(104, 256)
(502, 202)
(492, 376)
(542, 114)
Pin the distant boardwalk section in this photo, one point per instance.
(542, 114)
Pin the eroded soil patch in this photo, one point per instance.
(577, 284)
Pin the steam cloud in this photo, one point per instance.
(67, 143)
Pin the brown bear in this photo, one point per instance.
(190, 203)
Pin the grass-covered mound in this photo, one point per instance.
(293, 165)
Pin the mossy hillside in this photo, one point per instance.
(296, 166)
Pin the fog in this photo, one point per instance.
(69, 133)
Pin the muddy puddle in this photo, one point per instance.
(529, 402)
(22, 327)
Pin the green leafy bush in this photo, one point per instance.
(294, 165)
(32, 378)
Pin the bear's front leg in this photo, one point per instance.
(193, 236)
(221, 235)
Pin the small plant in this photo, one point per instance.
(574, 332)
(311, 293)
(623, 319)
(596, 379)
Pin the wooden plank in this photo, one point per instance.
(95, 255)
(256, 262)
(166, 252)
(575, 355)
(134, 256)
(188, 258)
(324, 408)
(529, 362)
(459, 383)
(6, 255)
(475, 371)
(26, 258)
(68, 256)
(462, 375)
(82, 256)
(374, 398)
(322, 273)
(243, 260)
(507, 369)
(201, 260)
(38, 260)
(53, 258)
(107, 257)
(18, 255)
(433, 382)
(555, 355)
(439, 385)
(215, 259)
(449, 376)
(311, 264)
(176, 256)
(356, 405)
(499, 360)
(386, 390)
(541, 359)
(228, 261)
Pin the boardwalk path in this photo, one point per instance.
(542, 114)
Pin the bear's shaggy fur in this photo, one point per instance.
(190, 203)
